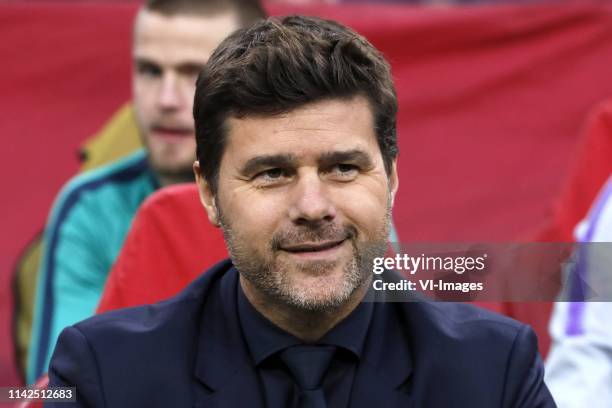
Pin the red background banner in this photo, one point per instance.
(492, 100)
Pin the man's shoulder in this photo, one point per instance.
(468, 323)
(457, 337)
(452, 338)
(177, 315)
(461, 322)
(464, 347)
(129, 170)
(139, 323)
(125, 182)
(124, 170)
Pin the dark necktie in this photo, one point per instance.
(308, 365)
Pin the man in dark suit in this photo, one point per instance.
(296, 146)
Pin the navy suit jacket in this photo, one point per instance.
(189, 352)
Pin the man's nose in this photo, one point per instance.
(169, 97)
(311, 201)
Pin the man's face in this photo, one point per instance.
(304, 202)
(168, 55)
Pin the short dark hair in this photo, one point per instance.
(278, 65)
(248, 11)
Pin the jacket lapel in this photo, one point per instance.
(373, 388)
(385, 372)
(225, 374)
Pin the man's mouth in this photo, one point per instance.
(314, 249)
(172, 134)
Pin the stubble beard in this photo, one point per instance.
(181, 172)
(175, 171)
(274, 277)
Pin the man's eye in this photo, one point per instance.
(271, 174)
(344, 170)
(149, 70)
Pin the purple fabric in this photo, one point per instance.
(575, 322)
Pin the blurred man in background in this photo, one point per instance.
(92, 214)
(579, 366)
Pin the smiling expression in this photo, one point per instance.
(304, 202)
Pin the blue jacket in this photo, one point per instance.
(188, 352)
(84, 234)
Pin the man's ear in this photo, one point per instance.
(393, 181)
(207, 197)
